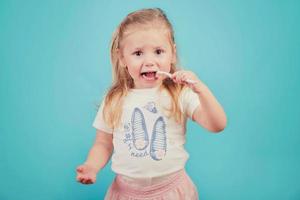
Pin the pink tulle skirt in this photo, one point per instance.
(176, 186)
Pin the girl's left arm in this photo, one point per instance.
(210, 113)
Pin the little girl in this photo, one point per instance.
(142, 120)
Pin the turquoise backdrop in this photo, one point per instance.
(54, 62)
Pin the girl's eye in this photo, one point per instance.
(159, 51)
(137, 53)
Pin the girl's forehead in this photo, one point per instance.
(155, 25)
(148, 36)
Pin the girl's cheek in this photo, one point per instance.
(136, 59)
(136, 63)
(133, 61)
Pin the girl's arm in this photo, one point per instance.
(210, 113)
(101, 151)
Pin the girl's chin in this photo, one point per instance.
(146, 83)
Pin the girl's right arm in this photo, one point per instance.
(98, 157)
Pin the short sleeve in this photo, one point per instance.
(189, 101)
(99, 122)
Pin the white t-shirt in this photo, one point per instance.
(147, 143)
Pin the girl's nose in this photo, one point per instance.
(149, 61)
(149, 64)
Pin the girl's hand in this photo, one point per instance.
(181, 77)
(86, 174)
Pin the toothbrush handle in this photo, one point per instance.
(170, 76)
(190, 81)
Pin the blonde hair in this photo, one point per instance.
(122, 81)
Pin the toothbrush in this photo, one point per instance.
(170, 76)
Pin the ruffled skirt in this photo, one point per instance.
(177, 186)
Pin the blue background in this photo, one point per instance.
(55, 67)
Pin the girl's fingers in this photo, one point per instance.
(90, 181)
(184, 77)
(179, 77)
(80, 179)
(176, 78)
(85, 179)
(79, 169)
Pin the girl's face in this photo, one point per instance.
(144, 52)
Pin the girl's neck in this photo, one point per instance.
(146, 90)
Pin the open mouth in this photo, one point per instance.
(151, 75)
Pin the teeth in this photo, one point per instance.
(148, 72)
